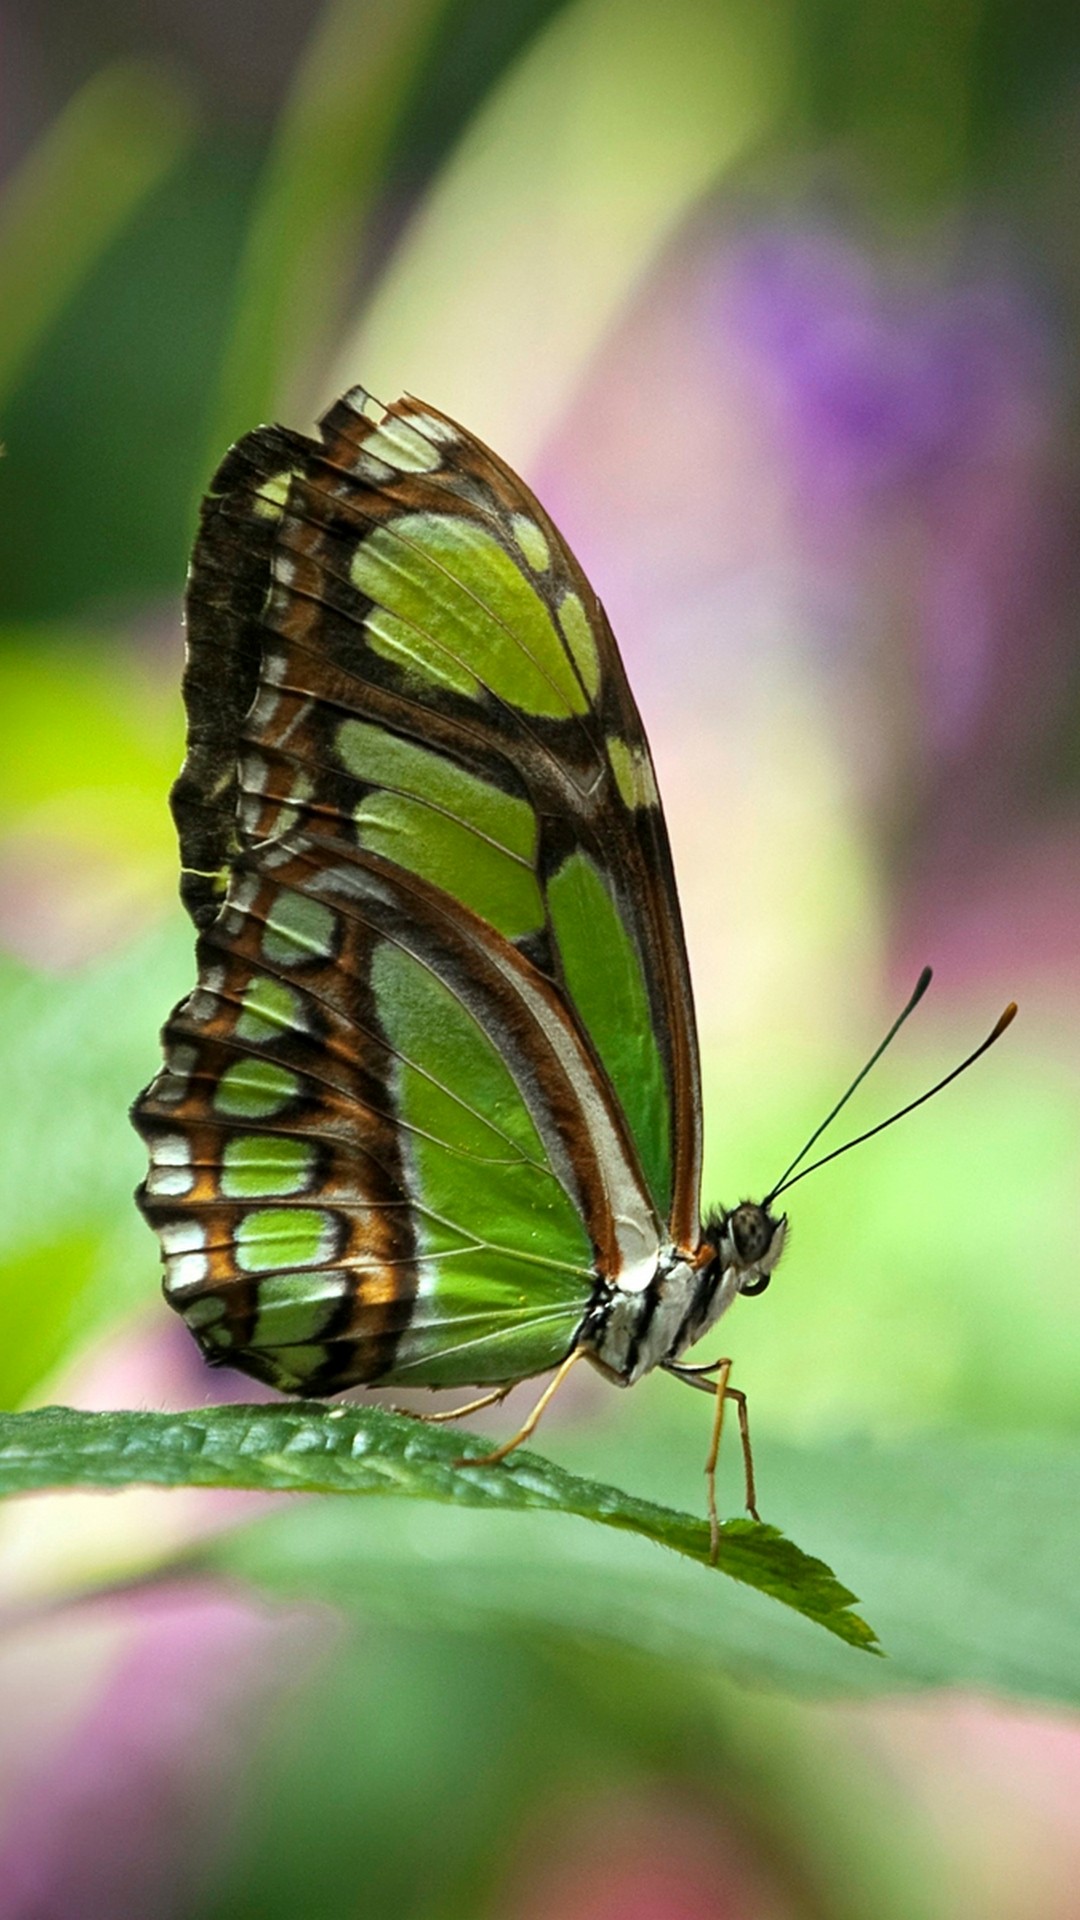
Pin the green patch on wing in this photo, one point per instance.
(607, 986)
(455, 830)
(258, 1164)
(481, 1325)
(581, 640)
(255, 1089)
(296, 1308)
(451, 605)
(298, 930)
(275, 1237)
(271, 1010)
(506, 1259)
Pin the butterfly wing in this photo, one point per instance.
(439, 1073)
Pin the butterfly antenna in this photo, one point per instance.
(1004, 1021)
(921, 985)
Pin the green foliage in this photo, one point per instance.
(97, 748)
(45, 1290)
(962, 1551)
(326, 167)
(120, 381)
(484, 1662)
(675, 100)
(415, 1755)
(117, 139)
(370, 1450)
(73, 1256)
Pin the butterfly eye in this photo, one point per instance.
(751, 1233)
(756, 1286)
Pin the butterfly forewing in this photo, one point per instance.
(438, 1078)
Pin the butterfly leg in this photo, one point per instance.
(695, 1377)
(528, 1425)
(459, 1413)
(722, 1372)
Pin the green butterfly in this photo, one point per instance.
(432, 1115)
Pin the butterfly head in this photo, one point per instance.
(749, 1241)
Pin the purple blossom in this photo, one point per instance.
(888, 383)
(919, 414)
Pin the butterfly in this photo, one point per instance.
(432, 1114)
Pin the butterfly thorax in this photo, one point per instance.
(630, 1332)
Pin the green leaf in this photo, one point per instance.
(963, 1549)
(371, 1450)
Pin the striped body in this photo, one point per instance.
(431, 1115)
(630, 1333)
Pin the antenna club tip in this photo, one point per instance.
(1006, 1019)
(921, 985)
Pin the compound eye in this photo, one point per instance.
(756, 1286)
(751, 1233)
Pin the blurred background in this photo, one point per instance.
(777, 309)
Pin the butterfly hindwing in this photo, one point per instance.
(439, 1074)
